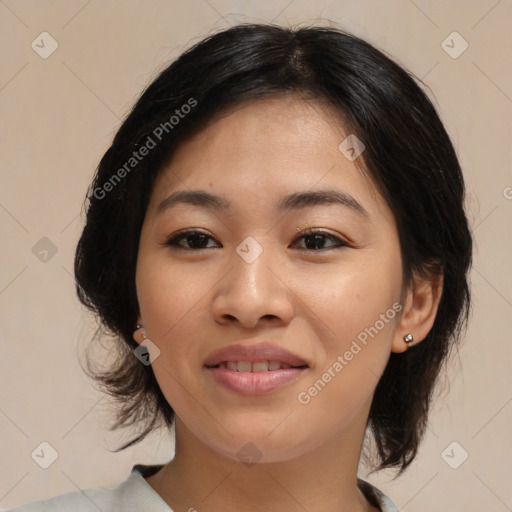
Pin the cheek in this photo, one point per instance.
(174, 304)
(168, 296)
(171, 307)
(356, 349)
(356, 340)
(342, 303)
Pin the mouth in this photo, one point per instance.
(254, 369)
(257, 366)
(258, 357)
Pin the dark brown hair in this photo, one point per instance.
(408, 154)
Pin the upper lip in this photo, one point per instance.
(263, 351)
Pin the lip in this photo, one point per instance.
(258, 383)
(262, 351)
(254, 383)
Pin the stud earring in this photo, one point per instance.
(408, 338)
(139, 326)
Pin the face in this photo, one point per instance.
(272, 271)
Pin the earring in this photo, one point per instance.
(138, 327)
(408, 338)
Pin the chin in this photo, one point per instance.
(260, 448)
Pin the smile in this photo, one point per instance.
(258, 366)
(254, 369)
(254, 378)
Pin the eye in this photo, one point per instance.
(315, 239)
(194, 239)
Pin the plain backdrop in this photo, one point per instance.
(59, 112)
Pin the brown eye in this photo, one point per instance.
(190, 240)
(315, 240)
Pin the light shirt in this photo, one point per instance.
(136, 495)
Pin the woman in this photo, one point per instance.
(278, 239)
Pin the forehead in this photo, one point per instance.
(265, 149)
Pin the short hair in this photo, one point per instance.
(408, 154)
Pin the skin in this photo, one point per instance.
(312, 302)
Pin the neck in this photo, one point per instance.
(322, 480)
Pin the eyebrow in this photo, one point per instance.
(287, 203)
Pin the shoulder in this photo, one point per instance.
(376, 497)
(131, 494)
(76, 501)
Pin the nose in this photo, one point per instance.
(253, 293)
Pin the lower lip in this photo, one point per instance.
(255, 383)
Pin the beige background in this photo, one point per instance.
(58, 116)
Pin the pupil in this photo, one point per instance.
(200, 238)
(317, 241)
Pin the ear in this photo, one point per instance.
(137, 333)
(421, 303)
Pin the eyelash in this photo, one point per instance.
(173, 241)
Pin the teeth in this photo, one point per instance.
(232, 365)
(274, 365)
(244, 366)
(258, 366)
